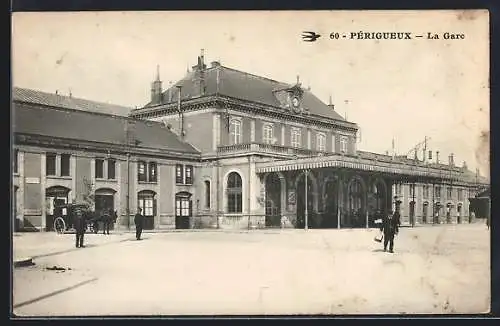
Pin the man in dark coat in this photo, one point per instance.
(80, 226)
(390, 227)
(138, 220)
(106, 220)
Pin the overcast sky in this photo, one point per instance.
(406, 89)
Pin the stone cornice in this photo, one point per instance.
(99, 147)
(222, 103)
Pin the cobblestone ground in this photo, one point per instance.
(435, 269)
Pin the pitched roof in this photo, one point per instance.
(237, 84)
(68, 102)
(96, 127)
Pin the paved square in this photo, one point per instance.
(435, 269)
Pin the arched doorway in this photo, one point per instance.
(55, 197)
(301, 201)
(147, 203)
(104, 202)
(273, 200)
(356, 204)
(377, 201)
(183, 210)
(331, 203)
(425, 210)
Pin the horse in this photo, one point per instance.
(107, 217)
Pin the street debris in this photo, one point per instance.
(57, 268)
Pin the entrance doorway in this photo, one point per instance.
(331, 200)
(459, 213)
(55, 197)
(183, 210)
(301, 203)
(425, 208)
(412, 213)
(273, 200)
(105, 202)
(147, 204)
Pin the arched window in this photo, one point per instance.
(234, 193)
(207, 194)
(235, 132)
(268, 134)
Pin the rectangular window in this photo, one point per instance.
(141, 171)
(460, 194)
(268, 134)
(111, 169)
(412, 190)
(333, 144)
(99, 168)
(15, 159)
(152, 172)
(295, 137)
(182, 207)
(179, 174)
(235, 132)
(343, 144)
(148, 207)
(321, 142)
(65, 165)
(449, 192)
(437, 191)
(50, 164)
(185, 207)
(189, 174)
(426, 191)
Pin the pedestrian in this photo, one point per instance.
(106, 219)
(390, 227)
(80, 226)
(138, 220)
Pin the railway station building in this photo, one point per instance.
(258, 153)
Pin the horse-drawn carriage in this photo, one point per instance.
(65, 222)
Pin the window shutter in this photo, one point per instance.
(154, 206)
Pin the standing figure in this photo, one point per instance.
(80, 226)
(138, 220)
(390, 227)
(106, 219)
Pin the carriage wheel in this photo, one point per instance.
(59, 225)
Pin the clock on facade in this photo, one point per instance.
(295, 102)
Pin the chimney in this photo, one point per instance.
(451, 160)
(169, 91)
(430, 156)
(57, 92)
(330, 103)
(464, 165)
(437, 157)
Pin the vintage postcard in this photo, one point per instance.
(250, 163)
